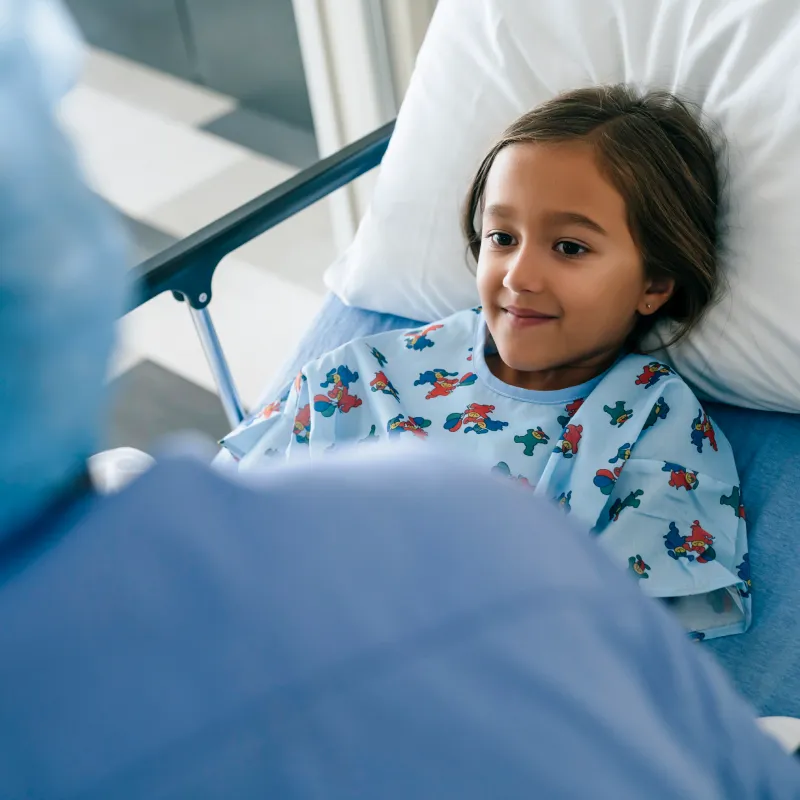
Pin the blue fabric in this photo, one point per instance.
(194, 638)
(764, 662)
(57, 44)
(61, 287)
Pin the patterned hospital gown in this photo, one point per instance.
(630, 454)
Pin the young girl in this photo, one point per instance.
(594, 216)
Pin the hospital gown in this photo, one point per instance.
(630, 454)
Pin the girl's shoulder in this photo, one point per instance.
(646, 383)
(661, 412)
(457, 331)
(645, 375)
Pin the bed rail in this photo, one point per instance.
(187, 268)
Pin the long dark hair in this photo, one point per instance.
(666, 166)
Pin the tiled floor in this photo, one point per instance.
(142, 140)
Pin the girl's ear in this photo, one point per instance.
(656, 293)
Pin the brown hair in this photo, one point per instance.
(664, 164)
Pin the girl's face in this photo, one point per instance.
(560, 277)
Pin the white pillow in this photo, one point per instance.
(485, 62)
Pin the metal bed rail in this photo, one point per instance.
(187, 268)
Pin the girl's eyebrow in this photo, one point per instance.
(499, 210)
(574, 218)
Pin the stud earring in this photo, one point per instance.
(649, 306)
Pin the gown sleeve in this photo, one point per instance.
(675, 515)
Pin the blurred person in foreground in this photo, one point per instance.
(191, 637)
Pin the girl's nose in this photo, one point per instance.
(526, 272)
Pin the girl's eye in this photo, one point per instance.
(570, 249)
(501, 239)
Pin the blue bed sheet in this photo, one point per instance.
(335, 325)
(765, 662)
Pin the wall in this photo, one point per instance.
(406, 24)
(358, 56)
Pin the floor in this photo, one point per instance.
(171, 157)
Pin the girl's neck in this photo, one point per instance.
(562, 376)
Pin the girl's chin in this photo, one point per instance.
(514, 360)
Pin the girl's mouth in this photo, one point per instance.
(526, 317)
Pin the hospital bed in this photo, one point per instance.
(765, 662)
